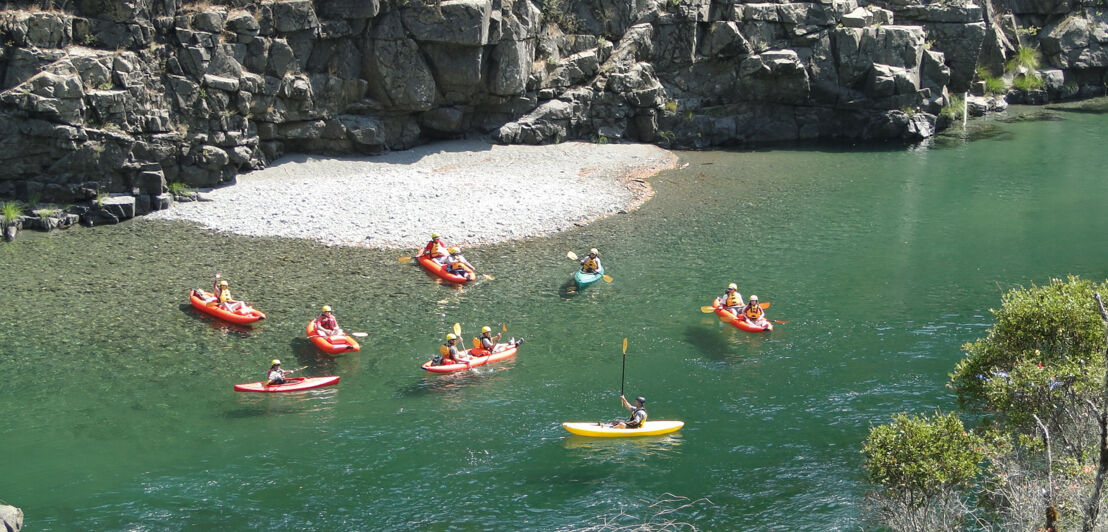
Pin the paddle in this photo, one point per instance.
(623, 372)
(404, 259)
(708, 310)
(571, 255)
(607, 278)
(359, 334)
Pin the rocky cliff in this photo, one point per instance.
(124, 96)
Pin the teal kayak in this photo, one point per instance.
(585, 279)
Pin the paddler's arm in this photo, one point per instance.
(625, 403)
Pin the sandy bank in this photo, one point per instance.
(472, 192)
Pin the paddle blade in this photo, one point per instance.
(782, 322)
(404, 259)
(607, 278)
(725, 318)
(488, 277)
(503, 327)
(458, 330)
(359, 334)
(764, 305)
(571, 255)
(707, 310)
(625, 346)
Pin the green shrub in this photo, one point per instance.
(954, 109)
(1026, 57)
(671, 106)
(10, 211)
(177, 188)
(601, 139)
(993, 84)
(1028, 82)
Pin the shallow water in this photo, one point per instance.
(119, 412)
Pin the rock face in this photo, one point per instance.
(11, 518)
(124, 97)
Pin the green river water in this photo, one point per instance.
(118, 412)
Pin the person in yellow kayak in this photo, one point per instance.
(456, 263)
(732, 300)
(638, 414)
(225, 301)
(326, 325)
(449, 352)
(435, 249)
(276, 375)
(591, 263)
(753, 313)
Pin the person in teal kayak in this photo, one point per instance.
(326, 325)
(456, 263)
(638, 414)
(435, 249)
(732, 300)
(449, 352)
(591, 263)
(276, 375)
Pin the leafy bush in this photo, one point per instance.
(1026, 57)
(177, 188)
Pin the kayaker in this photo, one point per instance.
(276, 375)
(326, 325)
(456, 263)
(435, 249)
(591, 263)
(638, 414)
(731, 299)
(450, 354)
(753, 313)
(225, 301)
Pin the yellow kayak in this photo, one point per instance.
(649, 428)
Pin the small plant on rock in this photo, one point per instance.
(671, 106)
(1027, 57)
(993, 84)
(954, 109)
(1028, 82)
(601, 139)
(179, 189)
(10, 211)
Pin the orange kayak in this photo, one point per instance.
(334, 345)
(763, 325)
(206, 304)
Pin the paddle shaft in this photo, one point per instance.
(622, 374)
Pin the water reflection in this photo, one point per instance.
(314, 401)
(217, 324)
(604, 450)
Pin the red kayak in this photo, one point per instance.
(205, 302)
(295, 384)
(763, 325)
(440, 271)
(335, 345)
(476, 361)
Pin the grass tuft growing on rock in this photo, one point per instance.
(993, 84)
(10, 211)
(954, 109)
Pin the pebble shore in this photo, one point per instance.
(471, 192)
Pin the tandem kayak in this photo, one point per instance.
(335, 345)
(763, 326)
(295, 384)
(648, 428)
(585, 279)
(205, 302)
(476, 361)
(439, 271)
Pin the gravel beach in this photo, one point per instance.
(472, 192)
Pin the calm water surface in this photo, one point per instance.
(119, 412)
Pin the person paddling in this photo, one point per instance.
(732, 300)
(489, 343)
(276, 375)
(638, 414)
(449, 352)
(591, 263)
(435, 249)
(326, 325)
(753, 313)
(457, 264)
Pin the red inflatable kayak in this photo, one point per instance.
(763, 326)
(441, 272)
(334, 345)
(291, 385)
(476, 361)
(207, 304)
